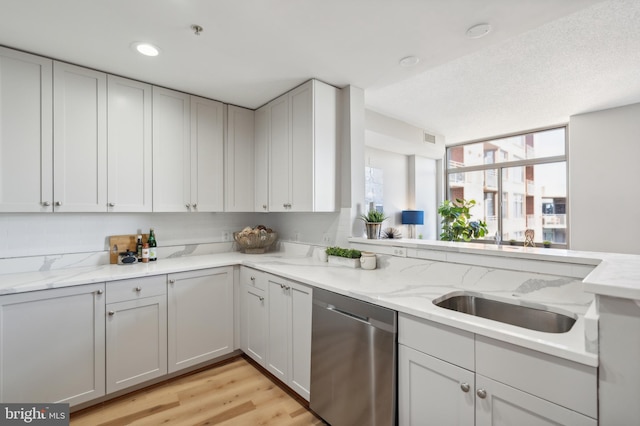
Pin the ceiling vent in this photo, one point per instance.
(429, 138)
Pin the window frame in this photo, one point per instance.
(500, 168)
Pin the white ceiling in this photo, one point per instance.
(544, 61)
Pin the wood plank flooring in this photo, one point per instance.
(235, 393)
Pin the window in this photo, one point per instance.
(519, 182)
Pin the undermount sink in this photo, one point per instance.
(509, 313)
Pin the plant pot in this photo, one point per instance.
(344, 261)
(373, 230)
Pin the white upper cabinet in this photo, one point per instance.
(80, 139)
(171, 151)
(129, 146)
(239, 182)
(207, 155)
(302, 129)
(26, 132)
(188, 147)
(261, 163)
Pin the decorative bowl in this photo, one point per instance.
(255, 241)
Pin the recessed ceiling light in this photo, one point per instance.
(409, 61)
(146, 49)
(479, 30)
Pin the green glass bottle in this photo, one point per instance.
(152, 245)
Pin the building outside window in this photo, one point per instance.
(529, 170)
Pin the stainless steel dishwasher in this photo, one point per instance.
(353, 361)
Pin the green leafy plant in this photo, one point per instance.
(456, 221)
(546, 243)
(343, 252)
(373, 216)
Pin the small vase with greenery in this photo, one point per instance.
(456, 221)
(373, 223)
(546, 243)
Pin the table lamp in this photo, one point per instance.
(412, 218)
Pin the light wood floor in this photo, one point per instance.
(235, 393)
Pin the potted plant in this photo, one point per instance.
(546, 243)
(456, 221)
(344, 257)
(373, 223)
(512, 242)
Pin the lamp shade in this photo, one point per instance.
(413, 217)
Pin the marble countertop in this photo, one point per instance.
(408, 285)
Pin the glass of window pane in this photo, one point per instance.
(534, 197)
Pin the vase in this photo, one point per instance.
(373, 230)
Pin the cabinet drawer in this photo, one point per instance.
(136, 288)
(253, 278)
(567, 383)
(441, 341)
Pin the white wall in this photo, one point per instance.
(604, 179)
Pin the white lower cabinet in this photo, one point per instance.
(253, 314)
(200, 316)
(52, 345)
(510, 385)
(432, 391)
(136, 331)
(289, 337)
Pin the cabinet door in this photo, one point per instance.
(431, 391)
(254, 325)
(261, 162)
(129, 145)
(52, 345)
(136, 341)
(207, 155)
(279, 155)
(26, 132)
(80, 139)
(301, 160)
(171, 151)
(239, 188)
(300, 339)
(200, 316)
(504, 405)
(278, 306)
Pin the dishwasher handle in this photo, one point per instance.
(348, 314)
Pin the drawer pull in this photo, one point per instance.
(111, 313)
(253, 278)
(58, 203)
(482, 394)
(172, 281)
(46, 203)
(100, 291)
(138, 289)
(260, 298)
(465, 387)
(112, 204)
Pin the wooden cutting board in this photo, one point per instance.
(120, 243)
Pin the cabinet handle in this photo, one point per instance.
(188, 206)
(172, 281)
(286, 287)
(138, 289)
(260, 298)
(465, 387)
(46, 203)
(112, 204)
(253, 278)
(195, 206)
(482, 394)
(111, 313)
(264, 206)
(100, 291)
(58, 203)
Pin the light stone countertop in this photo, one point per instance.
(408, 285)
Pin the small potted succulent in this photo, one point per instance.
(344, 257)
(373, 223)
(546, 243)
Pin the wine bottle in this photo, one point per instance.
(152, 246)
(139, 248)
